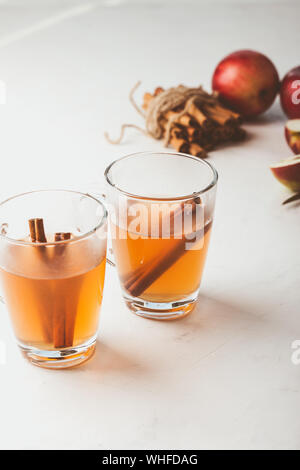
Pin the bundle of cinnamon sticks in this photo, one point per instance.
(202, 127)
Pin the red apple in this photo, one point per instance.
(288, 172)
(247, 81)
(290, 93)
(292, 134)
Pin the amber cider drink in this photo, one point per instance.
(159, 268)
(50, 306)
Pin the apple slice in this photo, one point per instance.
(292, 134)
(288, 172)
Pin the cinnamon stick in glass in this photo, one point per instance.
(63, 317)
(37, 235)
(145, 276)
(37, 231)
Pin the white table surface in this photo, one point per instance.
(222, 377)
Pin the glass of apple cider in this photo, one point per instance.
(52, 269)
(161, 209)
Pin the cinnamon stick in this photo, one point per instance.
(63, 315)
(225, 113)
(194, 134)
(60, 236)
(184, 120)
(178, 132)
(37, 231)
(37, 235)
(180, 145)
(32, 230)
(158, 90)
(203, 120)
(147, 98)
(58, 318)
(144, 277)
(223, 116)
(197, 151)
(187, 120)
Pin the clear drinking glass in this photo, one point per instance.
(52, 285)
(161, 209)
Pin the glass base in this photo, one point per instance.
(59, 359)
(160, 310)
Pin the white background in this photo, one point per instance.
(223, 377)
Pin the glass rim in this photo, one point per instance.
(61, 242)
(175, 198)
